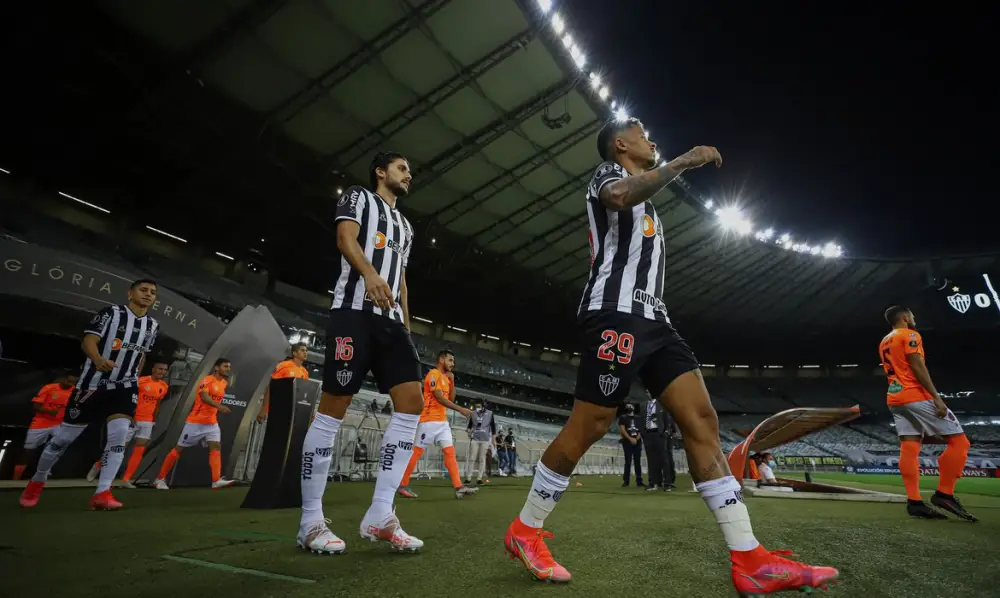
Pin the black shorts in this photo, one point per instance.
(616, 348)
(358, 342)
(88, 406)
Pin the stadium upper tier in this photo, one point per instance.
(253, 115)
(516, 373)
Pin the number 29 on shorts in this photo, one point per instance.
(616, 347)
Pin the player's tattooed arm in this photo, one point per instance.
(632, 191)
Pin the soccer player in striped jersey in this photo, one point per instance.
(152, 390)
(368, 331)
(116, 343)
(50, 407)
(627, 335)
(290, 368)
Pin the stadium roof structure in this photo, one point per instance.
(254, 113)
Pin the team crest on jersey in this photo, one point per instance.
(344, 377)
(960, 303)
(608, 383)
(74, 413)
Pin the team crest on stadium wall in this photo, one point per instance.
(960, 302)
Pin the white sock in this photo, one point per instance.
(63, 437)
(317, 453)
(394, 456)
(546, 490)
(724, 498)
(114, 453)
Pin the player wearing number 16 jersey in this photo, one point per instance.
(368, 331)
(626, 334)
(918, 411)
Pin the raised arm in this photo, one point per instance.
(633, 190)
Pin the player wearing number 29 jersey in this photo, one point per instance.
(625, 334)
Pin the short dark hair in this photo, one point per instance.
(157, 362)
(610, 130)
(381, 160)
(221, 361)
(135, 284)
(444, 353)
(894, 313)
(297, 346)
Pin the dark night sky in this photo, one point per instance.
(874, 127)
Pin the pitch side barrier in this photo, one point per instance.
(253, 341)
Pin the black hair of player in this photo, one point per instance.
(297, 346)
(611, 130)
(221, 361)
(444, 353)
(142, 281)
(381, 160)
(894, 313)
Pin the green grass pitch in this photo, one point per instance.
(190, 543)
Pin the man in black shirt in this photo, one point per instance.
(657, 431)
(628, 427)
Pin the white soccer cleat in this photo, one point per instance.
(464, 491)
(222, 483)
(160, 485)
(318, 539)
(128, 484)
(389, 529)
(95, 470)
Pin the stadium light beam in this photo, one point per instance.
(166, 234)
(545, 5)
(603, 94)
(621, 114)
(558, 25)
(228, 257)
(86, 203)
(457, 329)
(424, 320)
(4, 170)
(567, 41)
(732, 219)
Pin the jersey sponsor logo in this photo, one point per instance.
(608, 383)
(641, 296)
(648, 226)
(233, 402)
(380, 241)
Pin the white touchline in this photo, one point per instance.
(989, 285)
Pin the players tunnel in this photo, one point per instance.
(46, 298)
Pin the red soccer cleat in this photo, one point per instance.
(528, 545)
(104, 502)
(760, 572)
(31, 494)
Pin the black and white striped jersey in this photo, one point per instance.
(124, 339)
(627, 254)
(386, 238)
